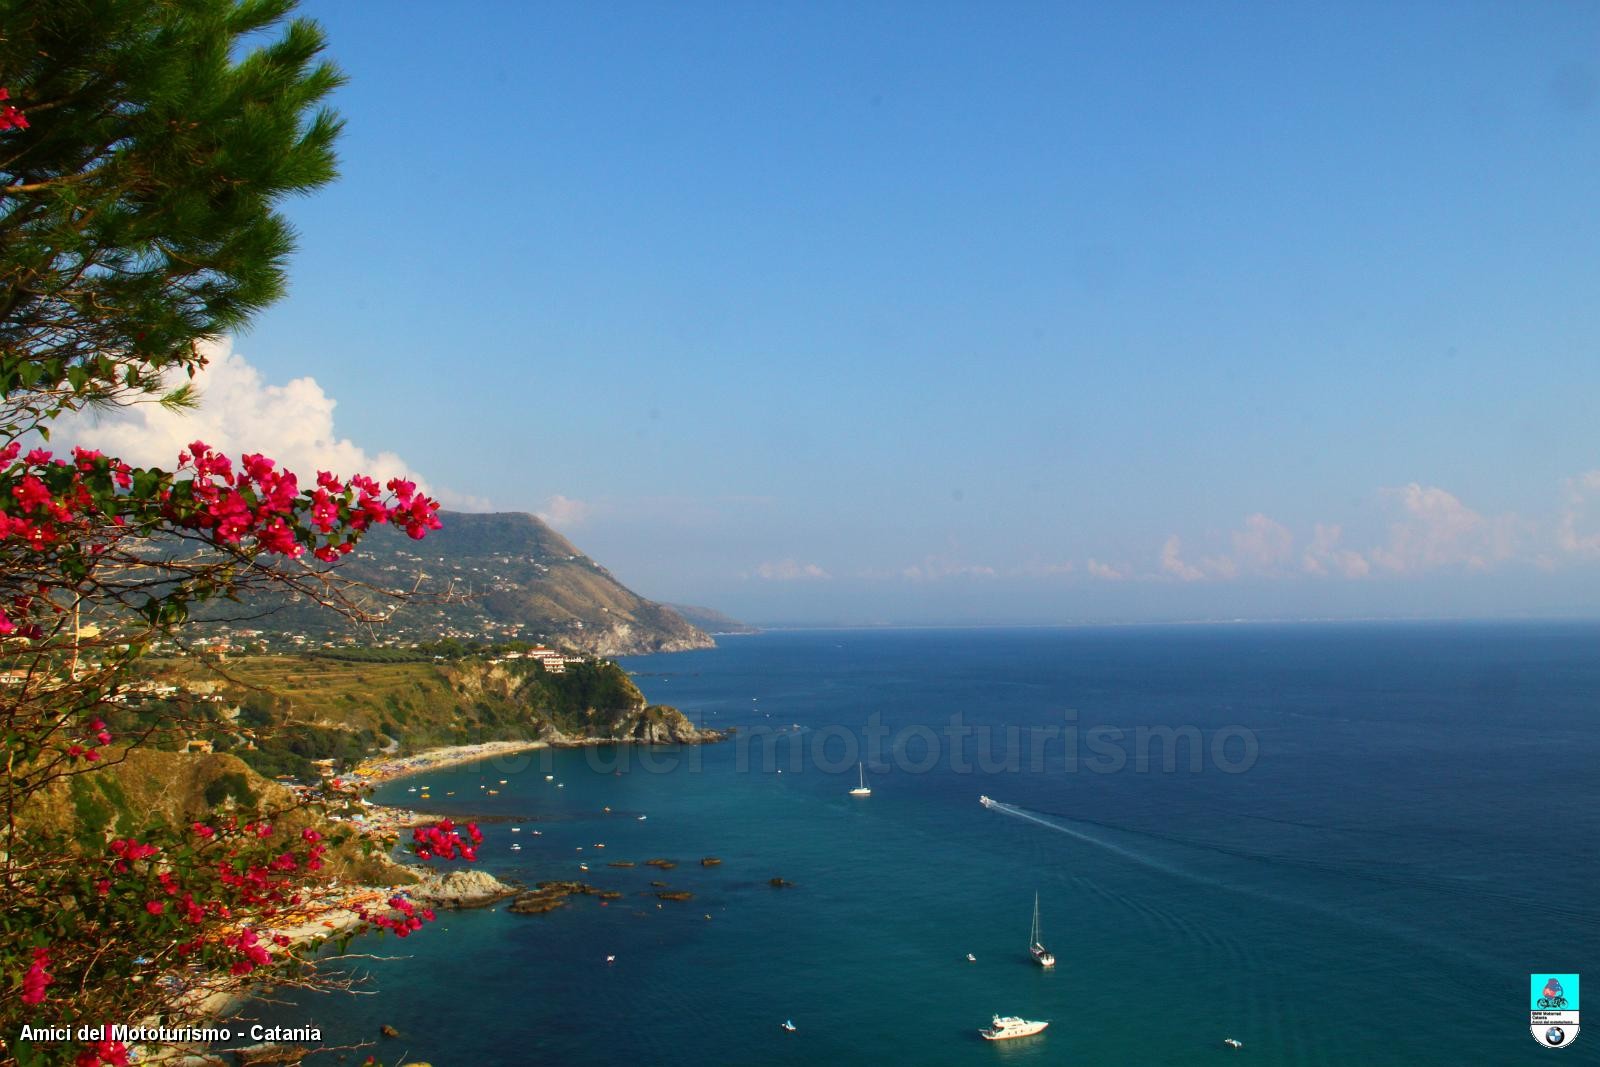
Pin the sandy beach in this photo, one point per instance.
(437, 758)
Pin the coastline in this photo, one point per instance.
(435, 759)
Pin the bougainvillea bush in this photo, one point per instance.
(144, 150)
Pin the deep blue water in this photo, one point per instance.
(1390, 828)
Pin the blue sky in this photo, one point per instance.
(973, 312)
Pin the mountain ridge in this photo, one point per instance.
(495, 577)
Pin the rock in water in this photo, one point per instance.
(460, 889)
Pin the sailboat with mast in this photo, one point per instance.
(862, 790)
(1041, 955)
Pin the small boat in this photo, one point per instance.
(1233, 1042)
(1041, 955)
(494, 792)
(502, 781)
(611, 959)
(516, 829)
(987, 802)
(538, 833)
(413, 789)
(971, 958)
(861, 790)
(599, 844)
(642, 818)
(606, 809)
(1006, 1027)
(561, 785)
(788, 1025)
(515, 847)
(549, 777)
(583, 866)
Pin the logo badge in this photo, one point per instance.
(1553, 1009)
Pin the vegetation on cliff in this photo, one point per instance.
(278, 713)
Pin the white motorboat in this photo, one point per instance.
(987, 802)
(861, 790)
(788, 1024)
(1041, 955)
(971, 958)
(1006, 1027)
(515, 847)
(1233, 1042)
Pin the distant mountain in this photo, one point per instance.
(509, 576)
(713, 621)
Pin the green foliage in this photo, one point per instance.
(229, 786)
(137, 212)
(92, 812)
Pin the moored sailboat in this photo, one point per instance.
(861, 790)
(1041, 955)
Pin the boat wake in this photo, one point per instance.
(1110, 846)
(1382, 874)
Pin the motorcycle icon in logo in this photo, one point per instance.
(1551, 998)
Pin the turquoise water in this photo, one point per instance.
(1395, 829)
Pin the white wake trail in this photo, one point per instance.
(1126, 853)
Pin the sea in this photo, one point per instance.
(1336, 844)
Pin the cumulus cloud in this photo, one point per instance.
(565, 512)
(790, 570)
(239, 411)
(1260, 547)
(1582, 493)
(1172, 562)
(1108, 572)
(1324, 555)
(1263, 546)
(1437, 530)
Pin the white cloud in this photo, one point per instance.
(791, 570)
(238, 412)
(1263, 546)
(1172, 562)
(565, 512)
(1325, 556)
(1581, 493)
(933, 568)
(1108, 572)
(1438, 530)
